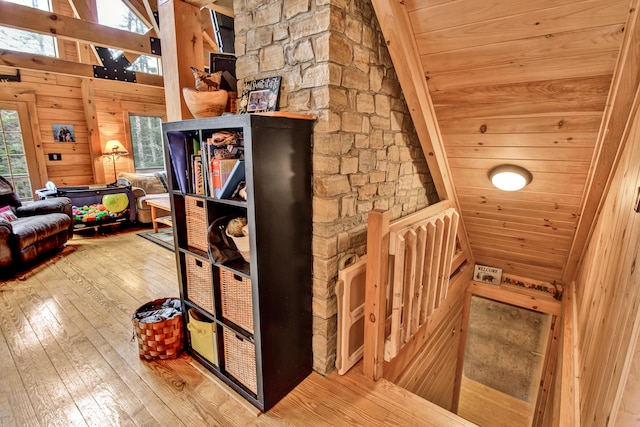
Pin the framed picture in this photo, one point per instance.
(63, 133)
(227, 64)
(260, 95)
(485, 274)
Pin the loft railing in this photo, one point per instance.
(409, 264)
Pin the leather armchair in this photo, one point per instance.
(39, 228)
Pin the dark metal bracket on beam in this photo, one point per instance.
(113, 68)
(155, 46)
(10, 77)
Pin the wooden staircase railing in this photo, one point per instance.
(409, 263)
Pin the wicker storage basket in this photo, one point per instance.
(196, 219)
(236, 299)
(158, 340)
(240, 359)
(199, 283)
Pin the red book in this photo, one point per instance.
(220, 170)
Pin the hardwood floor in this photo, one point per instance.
(67, 356)
(491, 408)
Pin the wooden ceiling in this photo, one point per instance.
(518, 82)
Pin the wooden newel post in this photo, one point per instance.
(376, 292)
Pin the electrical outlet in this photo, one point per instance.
(55, 156)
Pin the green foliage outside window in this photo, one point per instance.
(13, 159)
(146, 139)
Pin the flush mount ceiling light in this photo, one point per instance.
(510, 177)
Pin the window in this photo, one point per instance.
(146, 141)
(13, 158)
(116, 14)
(25, 41)
(224, 30)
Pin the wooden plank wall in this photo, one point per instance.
(607, 291)
(432, 374)
(59, 100)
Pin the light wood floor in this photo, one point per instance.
(491, 408)
(67, 358)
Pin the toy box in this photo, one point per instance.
(95, 205)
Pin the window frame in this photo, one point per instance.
(34, 152)
(149, 111)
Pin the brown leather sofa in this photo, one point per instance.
(36, 229)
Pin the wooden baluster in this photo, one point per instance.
(397, 297)
(416, 304)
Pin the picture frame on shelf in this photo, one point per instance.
(260, 95)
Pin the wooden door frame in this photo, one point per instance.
(528, 301)
(25, 104)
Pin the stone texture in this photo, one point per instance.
(355, 79)
(340, 50)
(351, 122)
(301, 53)
(348, 206)
(348, 165)
(293, 8)
(332, 185)
(325, 210)
(300, 100)
(365, 103)
(267, 15)
(271, 58)
(325, 247)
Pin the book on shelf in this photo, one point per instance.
(235, 177)
(220, 153)
(177, 152)
(220, 172)
(198, 174)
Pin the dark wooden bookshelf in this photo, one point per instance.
(277, 160)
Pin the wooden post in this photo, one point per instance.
(375, 310)
(181, 42)
(91, 118)
(567, 402)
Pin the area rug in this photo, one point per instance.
(164, 237)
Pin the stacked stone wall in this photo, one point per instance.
(335, 65)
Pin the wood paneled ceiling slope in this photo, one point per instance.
(547, 85)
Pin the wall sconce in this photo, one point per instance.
(115, 149)
(510, 177)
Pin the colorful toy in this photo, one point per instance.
(115, 202)
(94, 213)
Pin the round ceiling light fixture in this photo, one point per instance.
(510, 177)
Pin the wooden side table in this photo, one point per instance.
(164, 204)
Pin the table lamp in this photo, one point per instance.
(115, 149)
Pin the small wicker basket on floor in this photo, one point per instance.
(158, 340)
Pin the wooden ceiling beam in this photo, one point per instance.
(42, 22)
(224, 7)
(611, 138)
(29, 61)
(85, 9)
